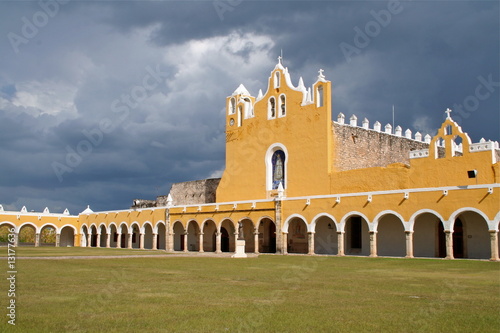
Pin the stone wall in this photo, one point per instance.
(356, 148)
(192, 193)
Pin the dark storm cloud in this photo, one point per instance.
(89, 66)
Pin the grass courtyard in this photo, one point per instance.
(270, 293)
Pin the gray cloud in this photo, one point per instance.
(71, 77)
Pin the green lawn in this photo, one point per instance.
(51, 251)
(264, 294)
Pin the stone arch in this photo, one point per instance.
(93, 235)
(227, 229)
(428, 234)
(178, 233)
(248, 234)
(297, 237)
(103, 235)
(84, 232)
(123, 235)
(27, 234)
(209, 235)
(113, 234)
(67, 236)
(357, 234)
(325, 234)
(5, 228)
(391, 237)
(267, 235)
(193, 239)
(161, 235)
(135, 233)
(471, 237)
(48, 235)
(147, 231)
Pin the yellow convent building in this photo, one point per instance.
(297, 182)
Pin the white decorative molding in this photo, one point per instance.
(308, 202)
(419, 153)
(418, 136)
(427, 138)
(407, 195)
(408, 134)
(337, 200)
(445, 193)
(377, 126)
(481, 146)
(254, 205)
(490, 190)
(369, 199)
(398, 131)
(24, 209)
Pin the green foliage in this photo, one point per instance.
(27, 234)
(48, 235)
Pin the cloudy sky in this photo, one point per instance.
(102, 102)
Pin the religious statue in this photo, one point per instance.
(240, 231)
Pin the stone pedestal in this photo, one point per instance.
(240, 249)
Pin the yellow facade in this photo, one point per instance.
(286, 190)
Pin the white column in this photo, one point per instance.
(118, 240)
(108, 240)
(89, 238)
(340, 241)
(155, 241)
(98, 241)
(373, 243)
(449, 244)
(129, 241)
(409, 244)
(310, 243)
(256, 240)
(217, 242)
(285, 242)
(141, 241)
(185, 242)
(58, 240)
(494, 245)
(200, 240)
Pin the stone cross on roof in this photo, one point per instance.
(321, 76)
(448, 111)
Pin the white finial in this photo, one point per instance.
(366, 123)
(66, 212)
(169, 200)
(341, 118)
(24, 209)
(260, 95)
(279, 59)
(1, 208)
(46, 210)
(353, 121)
(377, 126)
(448, 111)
